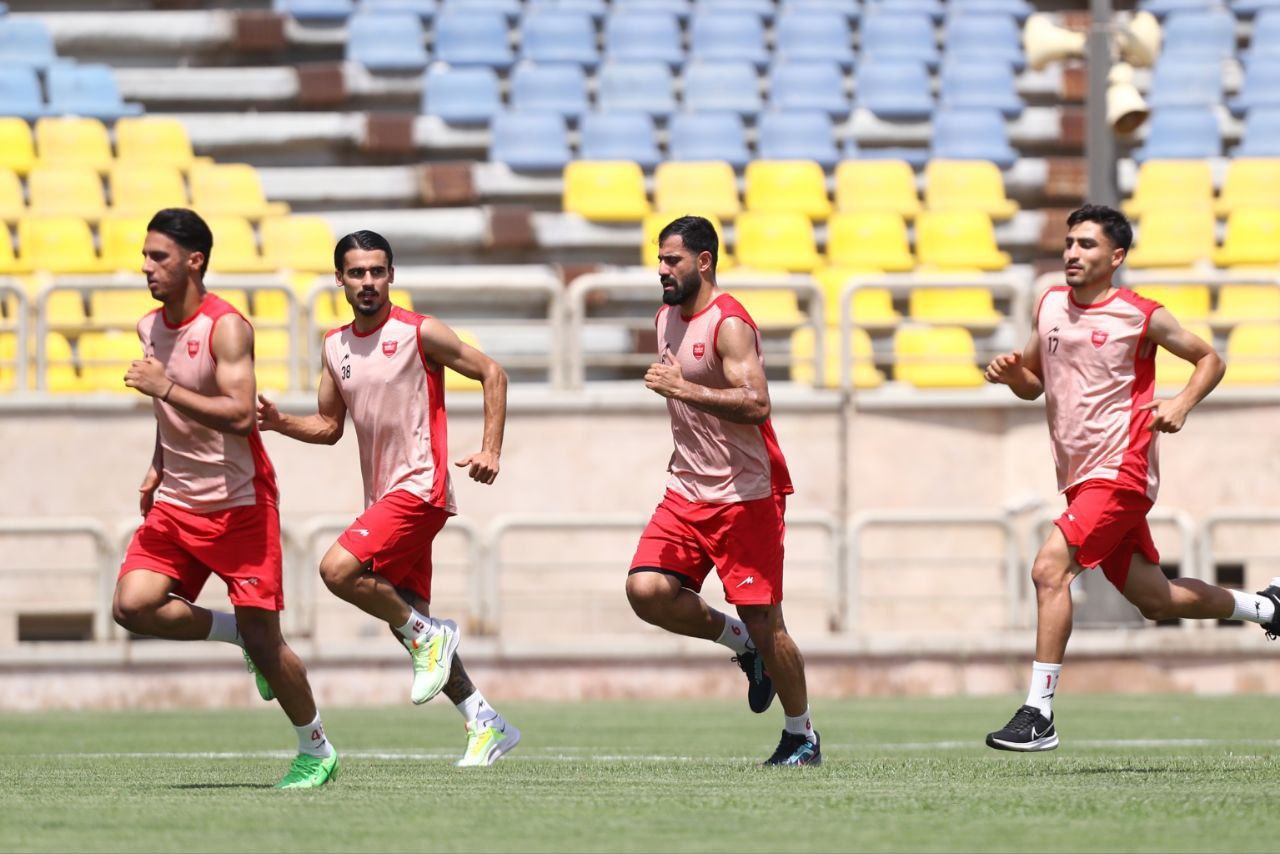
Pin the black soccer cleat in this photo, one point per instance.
(796, 750)
(1272, 628)
(760, 691)
(1027, 732)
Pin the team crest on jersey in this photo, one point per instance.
(193, 347)
(389, 348)
(1099, 338)
(699, 350)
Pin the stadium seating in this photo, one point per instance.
(972, 185)
(1261, 86)
(13, 204)
(935, 357)
(271, 358)
(65, 309)
(813, 36)
(1253, 238)
(795, 86)
(386, 42)
(1249, 183)
(1174, 238)
(619, 136)
(957, 240)
(770, 309)
(708, 136)
(469, 96)
(509, 10)
(869, 240)
(731, 87)
(787, 185)
(1191, 82)
(65, 191)
(644, 35)
(800, 135)
(104, 357)
(298, 243)
(17, 148)
(235, 246)
(893, 88)
(231, 189)
(980, 84)
(609, 191)
(865, 375)
(728, 36)
(424, 9)
(1181, 133)
(324, 11)
(118, 308)
(472, 36)
(529, 141)
(971, 135)
(643, 87)
(1265, 40)
(1188, 303)
(155, 141)
(60, 376)
(138, 189)
(1253, 354)
(877, 185)
(121, 237)
(57, 245)
(87, 90)
(1261, 134)
(776, 241)
(1173, 372)
(991, 37)
(1171, 185)
(1244, 302)
(706, 186)
(26, 42)
(1209, 34)
(906, 36)
(968, 307)
(20, 93)
(558, 36)
(872, 306)
(72, 141)
(558, 89)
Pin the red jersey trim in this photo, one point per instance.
(709, 306)
(265, 488)
(779, 475)
(437, 418)
(732, 308)
(1071, 298)
(359, 334)
(200, 309)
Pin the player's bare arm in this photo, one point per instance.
(151, 480)
(324, 427)
(228, 411)
(443, 346)
(1164, 330)
(746, 401)
(1020, 370)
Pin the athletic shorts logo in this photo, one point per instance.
(1099, 338)
(193, 347)
(251, 581)
(750, 579)
(699, 350)
(389, 348)
(364, 532)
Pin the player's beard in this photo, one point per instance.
(371, 309)
(684, 288)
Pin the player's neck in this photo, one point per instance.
(706, 294)
(1094, 292)
(368, 323)
(183, 307)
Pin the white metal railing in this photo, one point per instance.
(19, 325)
(103, 569)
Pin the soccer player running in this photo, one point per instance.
(1092, 353)
(726, 496)
(209, 497)
(386, 368)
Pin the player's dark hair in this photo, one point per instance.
(185, 228)
(362, 239)
(698, 234)
(1113, 223)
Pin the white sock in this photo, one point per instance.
(800, 725)
(1044, 684)
(418, 626)
(223, 628)
(1252, 607)
(311, 739)
(734, 635)
(474, 708)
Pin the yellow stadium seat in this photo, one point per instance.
(1250, 183)
(454, 381)
(865, 374)
(770, 309)
(709, 187)
(9, 263)
(936, 357)
(303, 243)
(869, 239)
(231, 189)
(787, 186)
(13, 204)
(330, 310)
(104, 358)
(155, 141)
(235, 248)
(17, 149)
(271, 358)
(121, 309)
(1174, 238)
(60, 370)
(140, 189)
(65, 309)
(947, 240)
(1242, 303)
(969, 307)
(605, 190)
(1172, 371)
(61, 244)
(1253, 354)
(872, 307)
(1253, 237)
(121, 238)
(66, 191)
(239, 300)
(877, 185)
(1171, 185)
(967, 185)
(270, 307)
(8, 361)
(656, 221)
(776, 241)
(72, 141)
(1185, 302)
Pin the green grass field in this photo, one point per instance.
(1133, 773)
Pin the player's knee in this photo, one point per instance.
(1154, 607)
(335, 575)
(131, 612)
(1049, 574)
(262, 642)
(648, 593)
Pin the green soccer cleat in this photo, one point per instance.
(264, 690)
(487, 741)
(310, 772)
(432, 661)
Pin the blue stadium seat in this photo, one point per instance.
(472, 38)
(619, 136)
(1185, 82)
(762, 9)
(1261, 86)
(87, 90)
(322, 11)
(20, 93)
(26, 41)
(560, 89)
(386, 41)
(1020, 9)
(553, 36)
(597, 9)
(806, 135)
(813, 36)
(808, 86)
(851, 9)
(640, 87)
(908, 38)
(975, 83)
(1179, 133)
(1265, 41)
(1261, 133)
(1210, 34)
(727, 87)
(462, 96)
(971, 135)
(1161, 8)
(986, 36)
(895, 89)
(708, 136)
(509, 9)
(424, 9)
(933, 8)
(1246, 8)
(679, 8)
(640, 36)
(727, 37)
(534, 142)
(916, 157)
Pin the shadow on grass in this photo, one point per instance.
(223, 786)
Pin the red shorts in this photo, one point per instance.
(395, 534)
(1108, 526)
(743, 541)
(240, 545)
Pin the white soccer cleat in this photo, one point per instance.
(487, 741)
